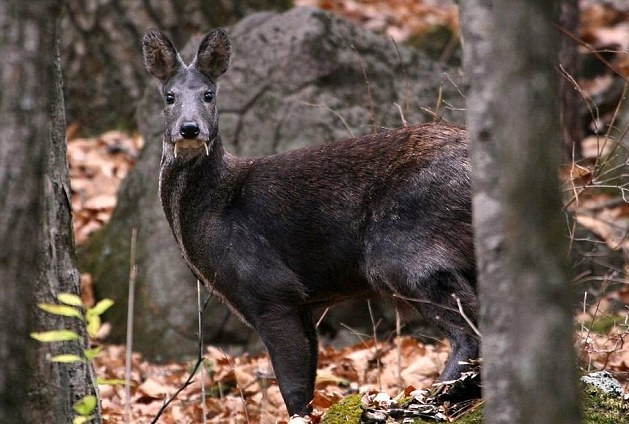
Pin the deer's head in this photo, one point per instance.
(189, 91)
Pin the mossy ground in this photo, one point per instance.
(602, 408)
(598, 408)
(346, 411)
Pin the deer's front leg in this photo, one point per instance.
(291, 339)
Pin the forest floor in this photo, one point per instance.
(241, 389)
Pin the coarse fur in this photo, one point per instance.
(384, 215)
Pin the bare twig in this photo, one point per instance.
(592, 50)
(179, 390)
(201, 353)
(407, 83)
(189, 380)
(133, 271)
(455, 85)
(372, 108)
(240, 391)
(428, 302)
(439, 100)
(360, 336)
(399, 108)
(612, 122)
(465, 317)
(375, 343)
(398, 331)
(325, 312)
(338, 115)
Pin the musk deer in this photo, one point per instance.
(384, 215)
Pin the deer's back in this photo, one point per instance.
(325, 207)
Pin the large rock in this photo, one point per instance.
(99, 50)
(299, 78)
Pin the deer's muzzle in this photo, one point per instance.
(191, 144)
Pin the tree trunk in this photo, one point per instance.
(26, 48)
(36, 259)
(57, 386)
(105, 75)
(529, 372)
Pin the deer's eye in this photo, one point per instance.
(208, 96)
(170, 98)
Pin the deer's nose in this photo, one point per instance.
(189, 130)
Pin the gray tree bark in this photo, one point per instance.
(58, 274)
(36, 235)
(101, 49)
(26, 46)
(529, 368)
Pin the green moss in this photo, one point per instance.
(346, 411)
(602, 408)
(603, 325)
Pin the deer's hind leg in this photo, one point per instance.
(433, 293)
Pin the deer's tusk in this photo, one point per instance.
(175, 150)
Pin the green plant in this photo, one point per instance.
(71, 305)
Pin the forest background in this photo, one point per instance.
(104, 84)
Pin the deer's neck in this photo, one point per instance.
(194, 190)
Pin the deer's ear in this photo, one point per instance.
(212, 59)
(160, 56)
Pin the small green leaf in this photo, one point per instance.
(66, 357)
(55, 336)
(82, 420)
(70, 299)
(100, 307)
(93, 325)
(110, 381)
(86, 405)
(92, 353)
(64, 310)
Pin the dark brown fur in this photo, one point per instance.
(384, 215)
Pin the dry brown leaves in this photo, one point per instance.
(97, 167)
(242, 389)
(400, 19)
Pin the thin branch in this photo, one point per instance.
(404, 121)
(398, 331)
(325, 312)
(240, 391)
(372, 108)
(465, 317)
(133, 271)
(407, 83)
(592, 50)
(201, 353)
(375, 343)
(338, 115)
(189, 380)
